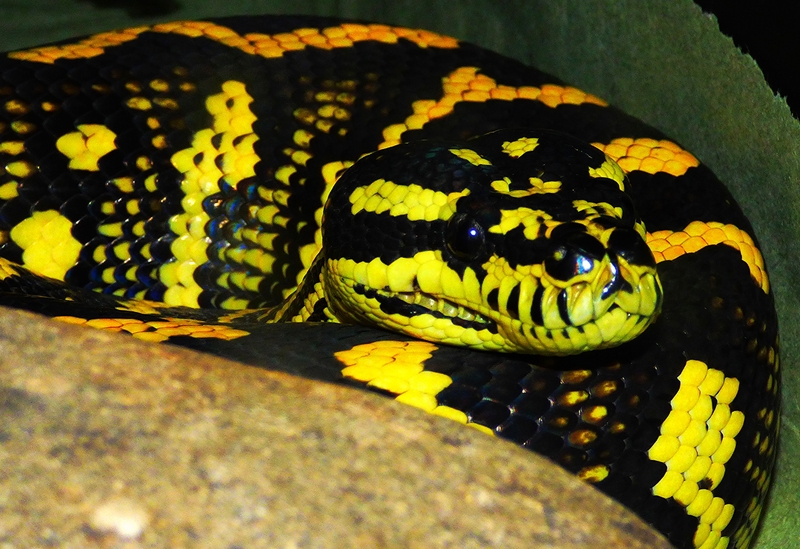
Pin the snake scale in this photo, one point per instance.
(551, 270)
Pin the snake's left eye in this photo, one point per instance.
(465, 237)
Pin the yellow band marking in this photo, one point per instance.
(86, 146)
(223, 151)
(465, 84)
(668, 245)
(413, 201)
(697, 440)
(86, 48)
(158, 330)
(649, 155)
(263, 45)
(397, 367)
(48, 244)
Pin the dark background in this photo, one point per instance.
(770, 34)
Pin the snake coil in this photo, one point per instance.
(601, 295)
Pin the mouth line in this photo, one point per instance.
(418, 303)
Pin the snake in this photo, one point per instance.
(426, 219)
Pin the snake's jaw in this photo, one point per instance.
(613, 302)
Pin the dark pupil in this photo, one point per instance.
(464, 237)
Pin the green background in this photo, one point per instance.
(665, 62)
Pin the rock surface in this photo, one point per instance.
(110, 442)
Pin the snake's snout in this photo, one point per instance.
(588, 280)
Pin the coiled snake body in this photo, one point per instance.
(606, 295)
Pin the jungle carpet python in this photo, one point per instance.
(606, 297)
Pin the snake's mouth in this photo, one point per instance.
(416, 303)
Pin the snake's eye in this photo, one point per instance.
(465, 238)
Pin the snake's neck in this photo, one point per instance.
(307, 303)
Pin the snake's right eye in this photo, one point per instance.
(465, 237)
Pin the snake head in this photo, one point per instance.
(519, 241)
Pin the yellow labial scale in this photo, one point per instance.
(48, 246)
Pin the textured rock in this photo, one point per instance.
(110, 442)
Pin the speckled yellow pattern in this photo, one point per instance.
(49, 247)
(413, 201)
